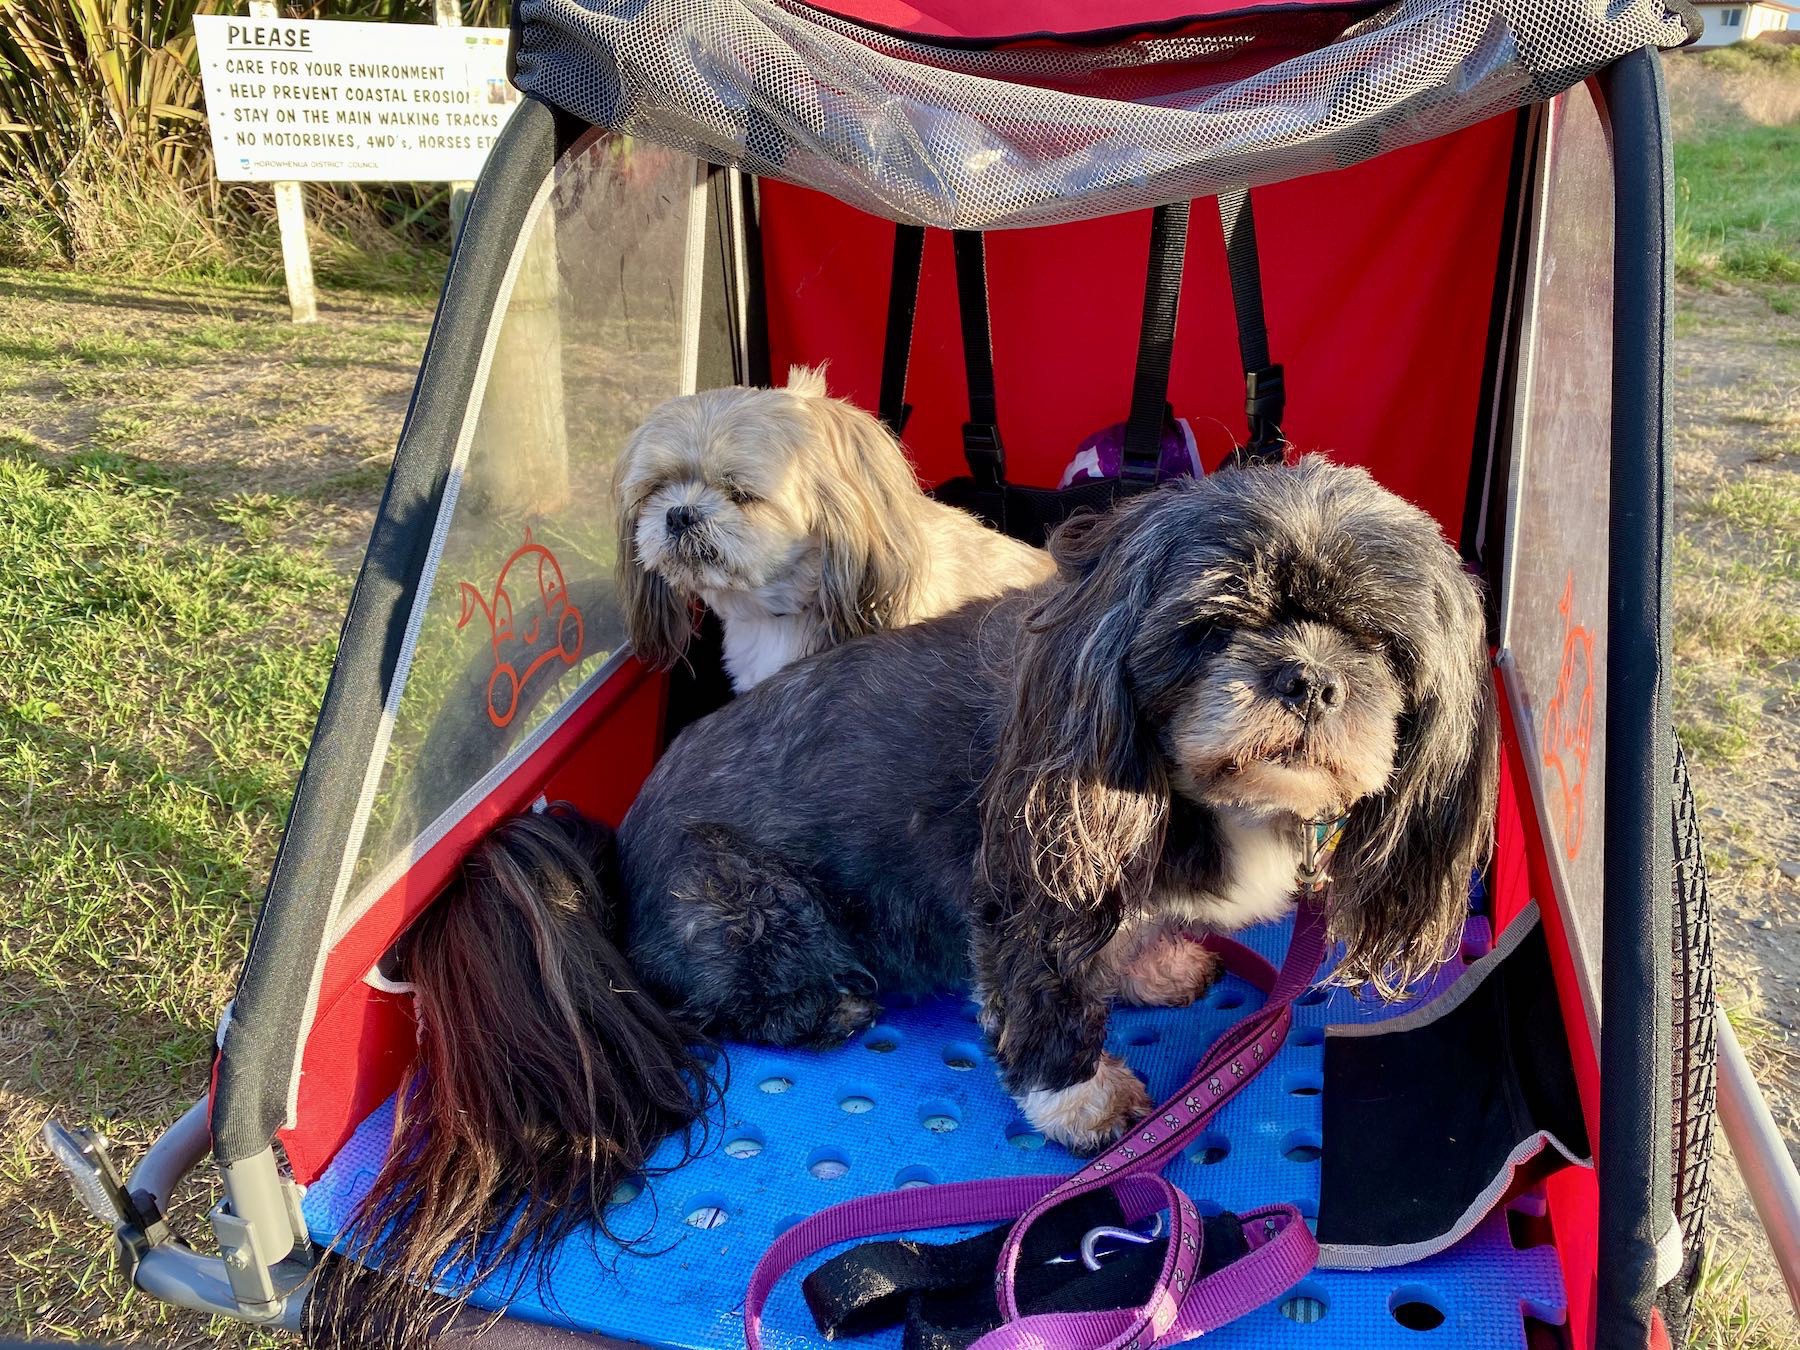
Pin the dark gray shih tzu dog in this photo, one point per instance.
(1046, 790)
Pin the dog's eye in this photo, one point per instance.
(737, 494)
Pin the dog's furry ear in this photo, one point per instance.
(867, 506)
(659, 620)
(806, 381)
(1401, 877)
(1075, 807)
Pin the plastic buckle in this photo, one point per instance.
(1265, 392)
(986, 455)
(1145, 472)
(1138, 475)
(1265, 400)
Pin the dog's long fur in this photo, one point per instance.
(1038, 790)
(800, 525)
(544, 1077)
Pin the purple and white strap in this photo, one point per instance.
(1181, 1306)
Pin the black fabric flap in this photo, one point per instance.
(1429, 1118)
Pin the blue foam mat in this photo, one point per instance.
(914, 1101)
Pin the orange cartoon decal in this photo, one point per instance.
(552, 628)
(1569, 722)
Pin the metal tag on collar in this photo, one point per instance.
(1319, 840)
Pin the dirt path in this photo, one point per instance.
(1737, 647)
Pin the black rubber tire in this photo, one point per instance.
(1694, 1050)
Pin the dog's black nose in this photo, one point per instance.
(681, 519)
(1310, 690)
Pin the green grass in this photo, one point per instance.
(1770, 505)
(154, 705)
(183, 477)
(1722, 729)
(151, 720)
(1737, 214)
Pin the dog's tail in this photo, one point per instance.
(544, 1079)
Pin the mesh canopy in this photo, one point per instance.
(995, 137)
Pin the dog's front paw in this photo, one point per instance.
(850, 1016)
(1087, 1116)
(1171, 972)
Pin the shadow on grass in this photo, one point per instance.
(127, 293)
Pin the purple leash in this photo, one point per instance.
(1180, 1306)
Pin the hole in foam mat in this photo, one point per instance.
(1305, 1083)
(939, 1116)
(706, 1210)
(1305, 1037)
(827, 1164)
(1022, 1136)
(913, 1177)
(626, 1191)
(1416, 1308)
(1313, 997)
(1211, 1147)
(744, 1143)
(856, 1098)
(1302, 1146)
(775, 1085)
(1227, 999)
(1143, 1036)
(962, 1056)
(1306, 1304)
(1209, 1209)
(882, 1039)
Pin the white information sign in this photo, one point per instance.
(324, 101)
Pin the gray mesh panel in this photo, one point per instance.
(986, 139)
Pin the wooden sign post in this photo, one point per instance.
(449, 15)
(290, 218)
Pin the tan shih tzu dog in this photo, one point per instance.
(795, 518)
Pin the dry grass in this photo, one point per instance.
(1755, 84)
(1729, 1316)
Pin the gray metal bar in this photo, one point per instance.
(184, 1277)
(175, 1153)
(1763, 1160)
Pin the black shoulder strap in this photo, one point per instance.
(903, 304)
(1264, 395)
(981, 433)
(1264, 399)
(1142, 450)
